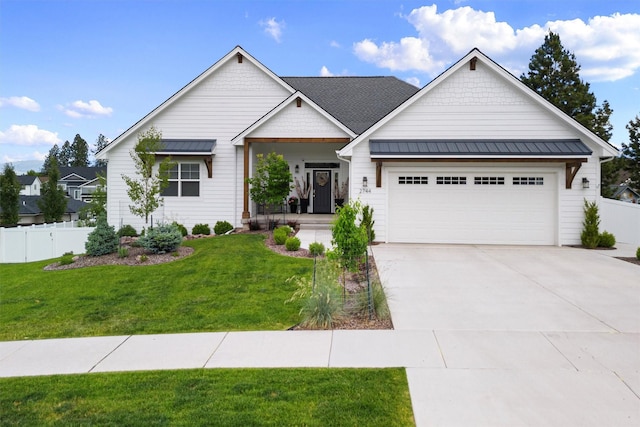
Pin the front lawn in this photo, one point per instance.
(239, 397)
(229, 283)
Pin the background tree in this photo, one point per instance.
(9, 196)
(611, 175)
(101, 142)
(31, 172)
(79, 152)
(145, 191)
(272, 181)
(554, 73)
(65, 155)
(631, 152)
(54, 154)
(53, 202)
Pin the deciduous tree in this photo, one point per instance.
(272, 181)
(9, 196)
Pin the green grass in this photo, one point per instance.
(230, 283)
(240, 397)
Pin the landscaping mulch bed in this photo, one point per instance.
(635, 261)
(134, 258)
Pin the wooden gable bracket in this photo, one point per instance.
(572, 169)
(378, 174)
(472, 63)
(208, 161)
(239, 55)
(298, 102)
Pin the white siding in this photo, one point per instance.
(298, 122)
(221, 106)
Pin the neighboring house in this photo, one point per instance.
(625, 193)
(473, 157)
(30, 185)
(80, 182)
(30, 212)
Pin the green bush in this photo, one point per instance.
(280, 236)
(367, 222)
(222, 227)
(638, 253)
(102, 240)
(161, 239)
(127, 231)
(201, 229)
(316, 248)
(606, 240)
(292, 244)
(182, 228)
(123, 252)
(590, 236)
(286, 229)
(66, 259)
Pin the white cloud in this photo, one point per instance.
(273, 28)
(23, 102)
(28, 135)
(605, 46)
(335, 44)
(36, 155)
(413, 81)
(80, 109)
(324, 72)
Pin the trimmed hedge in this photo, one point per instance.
(201, 229)
(222, 227)
(292, 244)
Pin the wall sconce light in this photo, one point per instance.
(585, 183)
(297, 169)
(365, 182)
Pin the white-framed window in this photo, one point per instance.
(184, 180)
(451, 180)
(413, 180)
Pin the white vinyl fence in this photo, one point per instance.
(38, 242)
(622, 219)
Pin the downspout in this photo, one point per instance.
(605, 160)
(344, 159)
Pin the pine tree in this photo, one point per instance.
(54, 154)
(554, 74)
(601, 124)
(631, 152)
(65, 155)
(53, 202)
(79, 152)
(101, 142)
(9, 196)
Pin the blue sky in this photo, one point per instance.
(97, 66)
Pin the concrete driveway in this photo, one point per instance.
(527, 335)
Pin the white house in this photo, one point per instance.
(30, 185)
(473, 157)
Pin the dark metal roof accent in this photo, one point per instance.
(356, 102)
(188, 146)
(478, 147)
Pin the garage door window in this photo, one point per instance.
(451, 180)
(413, 180)
(488, 180)
(528, 180)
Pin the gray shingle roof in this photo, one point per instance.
(478, 147)
(87, 172)
(356, 102)
(29, 205)
(188, 146)
(26, 179)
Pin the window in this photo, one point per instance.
(528, 180)
(184, 180)
(451, 180)
(488, 180)
(413, 180)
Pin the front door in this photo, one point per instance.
(321, 191)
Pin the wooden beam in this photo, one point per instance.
(570, 173)
(298, 140)
(208, 161)
(245, 187)
(378, 174)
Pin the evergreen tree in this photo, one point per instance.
(101, 142)
(145, 192)
(632, 152)
(54, 154)
(610, 176)
(65, 155)
(9, 196)
(554, 74)
(53, 202)
(79, 152)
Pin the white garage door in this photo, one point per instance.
(460, 205)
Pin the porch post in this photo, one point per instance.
(245, 196)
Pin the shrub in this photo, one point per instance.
(590, 235)
(66, 259)
(378, 298)
(182, 228)
(201, 229)
(367, 222)
(638, 253)
(222, 227)
(123, 252)
(606, 240)
(316, 248)
(254, 225)
(287, 229)
(127, 231)
(102, 240)
(292, 244)
(161, 239)
(280, 236)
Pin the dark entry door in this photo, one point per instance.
(321, 191)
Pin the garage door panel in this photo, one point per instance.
(472, 213)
